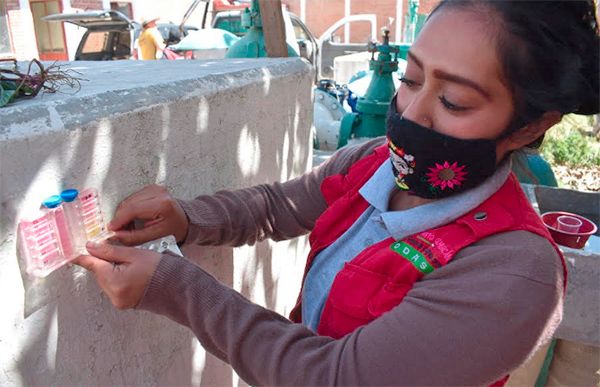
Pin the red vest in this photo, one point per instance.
(379, 277)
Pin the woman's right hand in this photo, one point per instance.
(159, 212)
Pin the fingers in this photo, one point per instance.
(112, 253)
(145, 193)
(138, 205)
(137, 237)
(134, 210)
(124, 283)
(90, 263)
(123, 217)
(162, 215)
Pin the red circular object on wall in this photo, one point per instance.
(574, 240)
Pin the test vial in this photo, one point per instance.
(53, 206)
(72, 210)
(41, 244)
(91, 214)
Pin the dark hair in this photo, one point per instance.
(549, 53)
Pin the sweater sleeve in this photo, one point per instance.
(468, 323)
(278, 211)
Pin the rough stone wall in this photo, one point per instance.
(194, 126)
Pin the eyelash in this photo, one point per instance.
(408, 82)
(450, 106)
(447, 104)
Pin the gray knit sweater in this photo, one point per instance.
(468, 323)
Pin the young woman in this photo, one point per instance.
(428, 266)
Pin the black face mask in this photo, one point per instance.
(432, 165)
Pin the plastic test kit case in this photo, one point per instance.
(69, 220)
(58, 236)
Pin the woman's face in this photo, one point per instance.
(453, 82)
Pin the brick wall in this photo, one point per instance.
(384, 9)
(320, 14)
(12, 5)
(87, 4)
(427, 6)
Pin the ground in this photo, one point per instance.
(578, 178)
(573, 150)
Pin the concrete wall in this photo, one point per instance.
(196, 127)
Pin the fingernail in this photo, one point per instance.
(92, 245)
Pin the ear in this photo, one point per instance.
(529, 133)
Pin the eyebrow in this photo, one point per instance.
(452, 77)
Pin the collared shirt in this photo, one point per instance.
(377, 223)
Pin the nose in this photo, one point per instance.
(415, 106)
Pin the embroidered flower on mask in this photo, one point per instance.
(446, 175)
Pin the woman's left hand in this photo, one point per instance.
(122, 272)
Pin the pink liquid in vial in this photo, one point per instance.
(41, 245)
(59, 236)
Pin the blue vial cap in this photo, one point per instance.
(52, 202)
(69, 195)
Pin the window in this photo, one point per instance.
(122, 48)
(337, 36)
(95, 42)
(299, 31)
(5, 46)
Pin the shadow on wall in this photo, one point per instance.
(198, 145)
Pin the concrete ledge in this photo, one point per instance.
(195, 126)
(581, 315)
(581, 318)
(111, 88)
